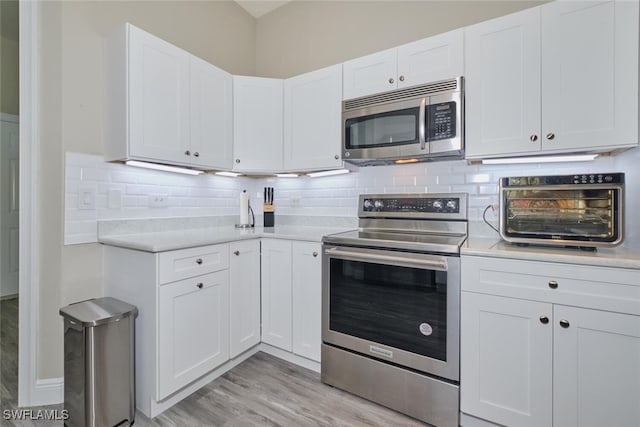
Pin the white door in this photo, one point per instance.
(9, 206)
(596, 371)
(276, 293)
(506, 360)
(211, 115)
(502, 86)
(370, 74)
(257, 124)
(244, 295)
(589, 74)
(312, 120)
(436, 58)
(193, 329)
(307, 299)
(158, 98)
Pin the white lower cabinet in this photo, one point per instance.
(193, 329)
(291, 296)
(244, 295)
(543, 362)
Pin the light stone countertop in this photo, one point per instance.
(161, 241)
(620, 257)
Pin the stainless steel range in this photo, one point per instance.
(391, 298)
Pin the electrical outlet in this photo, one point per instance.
(87, 197)
(158, 200)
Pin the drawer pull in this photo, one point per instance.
(199, 261)
(199, 285)
(564, 323)
(544, 319)
(236, 253)
(553, 284)
(315, 254)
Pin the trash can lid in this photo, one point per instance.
(97, 311)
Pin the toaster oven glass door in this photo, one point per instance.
(589, 215)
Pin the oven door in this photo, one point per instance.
(398, 307)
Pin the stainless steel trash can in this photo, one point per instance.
(99, 363)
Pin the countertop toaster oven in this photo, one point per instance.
(567, 210)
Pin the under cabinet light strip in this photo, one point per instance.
(287, 175)
(328, 173)
(230, 174)
(165, 168)
(543, 159)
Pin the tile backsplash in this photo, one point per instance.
(138, 193)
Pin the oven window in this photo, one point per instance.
(399, 307)
(379, 130)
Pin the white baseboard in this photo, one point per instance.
(49, 391)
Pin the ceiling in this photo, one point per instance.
(258, 8)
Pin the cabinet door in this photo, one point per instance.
(158, 98)
(502, 86)
(370, 74)
(589, 74)
(257, 124)
(435, 58)
(307, 299)
(506, 360)
(193, 330)
(244, 295)
(312, 117)
(276, 293)
(596, 368)
(211, 116)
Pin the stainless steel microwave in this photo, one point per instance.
(584, 210)
(414, 124)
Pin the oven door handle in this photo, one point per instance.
(434, 264)
(422, 133)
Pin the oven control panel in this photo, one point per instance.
(411, 204)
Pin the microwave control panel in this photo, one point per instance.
(441, 121)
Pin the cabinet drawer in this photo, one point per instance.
(604, 288)
(178, 265)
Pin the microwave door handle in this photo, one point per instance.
(422, 131)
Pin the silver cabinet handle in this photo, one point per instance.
(236, 253)
(401, 78)
(564, 323)
(196, 154)
(391, 81)
(553, 284)
(199, 285)
(336, 157)
(544, 319)
(237, 160)
(199, 261)
(315, 254)
(550, 136)
(188, 153)
(533, 138)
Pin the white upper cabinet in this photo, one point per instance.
(435, 58)
(589, 75)
(312, 117)
(502, 85)
(257, 124)
(559, 78)
(164, 104)
(211, 111)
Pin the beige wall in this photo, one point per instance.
(72, 95)
(307, 35)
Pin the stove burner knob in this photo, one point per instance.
(378, 204)
(437, 204)
(368, 204)
(451, 204)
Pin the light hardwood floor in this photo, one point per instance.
(262, 391)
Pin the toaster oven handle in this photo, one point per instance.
(422, 125)
(434, 264)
